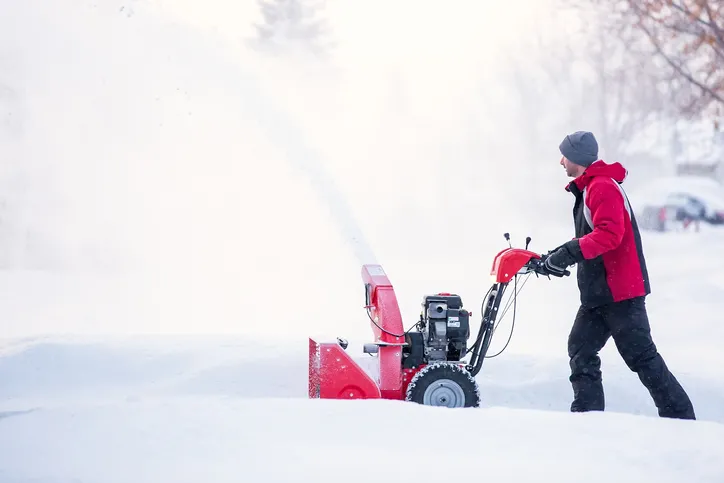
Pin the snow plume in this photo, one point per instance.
(218, 181)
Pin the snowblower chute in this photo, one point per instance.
(427, 363)
(333, 374)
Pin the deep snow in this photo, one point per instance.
(203, 439)
(156, 328)
(228, 409)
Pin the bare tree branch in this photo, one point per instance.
(687, 35)
(600, 81)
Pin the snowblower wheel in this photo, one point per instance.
(444, 384)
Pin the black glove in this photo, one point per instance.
(546, 269)
(556, 261)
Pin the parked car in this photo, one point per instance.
(678, 201)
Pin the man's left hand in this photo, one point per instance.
(562, 258)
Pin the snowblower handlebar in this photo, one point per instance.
(507, 265)
(518, 261)
(536, 265)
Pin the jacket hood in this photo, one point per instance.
(600, 168)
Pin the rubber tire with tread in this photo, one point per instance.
(436, 371)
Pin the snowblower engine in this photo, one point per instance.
(444, 329)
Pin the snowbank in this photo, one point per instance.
(282, 440)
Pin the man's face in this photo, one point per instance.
(572, 169)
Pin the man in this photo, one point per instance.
(613, 284)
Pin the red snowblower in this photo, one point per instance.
(425, 364)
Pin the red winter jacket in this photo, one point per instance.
(611, 264)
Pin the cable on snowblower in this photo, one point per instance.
(368, 307)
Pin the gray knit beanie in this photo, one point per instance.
(580, 147)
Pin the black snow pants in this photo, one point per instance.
(628, 324)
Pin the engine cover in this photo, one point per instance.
(446, 327)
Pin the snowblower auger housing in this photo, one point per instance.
(426, 365)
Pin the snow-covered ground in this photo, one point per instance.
(195, 242)
(234, 407)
